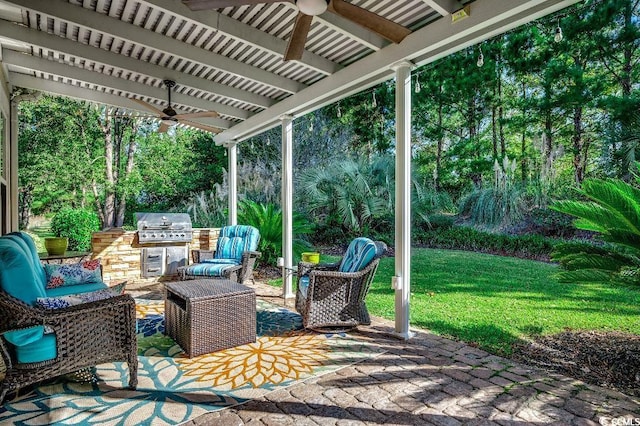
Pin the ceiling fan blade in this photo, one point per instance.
(369, 20)
(163, 128)
(148, 106)
(298, 37)
(203, 114)
(201, 126)
(219, 4)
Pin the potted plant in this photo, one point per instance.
(56, 246)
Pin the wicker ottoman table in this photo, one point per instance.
(205, 316)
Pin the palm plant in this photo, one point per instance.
(612, 209)
(267, 218)
(355, 193)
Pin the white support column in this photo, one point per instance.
(287, 206)
(232, 157)
(402, 278)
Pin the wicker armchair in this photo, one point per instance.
(86, 335)
(234, 257)
(335, 300)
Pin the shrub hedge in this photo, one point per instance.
(465, 238)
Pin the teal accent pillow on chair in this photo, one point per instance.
(359, 254)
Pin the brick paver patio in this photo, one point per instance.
(430, 380)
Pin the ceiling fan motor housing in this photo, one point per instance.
(312, 7)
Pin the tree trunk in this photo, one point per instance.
(25, 200)
(627, 64)
(547, 147)
(122, 203)
(109, 191)
(548, 139)
(476, 176)
(579, 160)
(440, 144)
(96, 201)
(523, 141)
(494, 131)
(503, 147)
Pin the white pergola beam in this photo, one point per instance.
(90, 95)
(444, 7)
(85, 18)
(36, 64)
(28, 37)
(246, 33)
(441, 38)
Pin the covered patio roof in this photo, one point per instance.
(230, 60)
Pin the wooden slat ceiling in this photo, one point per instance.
(228, 60)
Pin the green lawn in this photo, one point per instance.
(495, 301)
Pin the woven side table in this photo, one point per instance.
(205, 316)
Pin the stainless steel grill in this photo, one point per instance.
(167, 235)
(164, 228)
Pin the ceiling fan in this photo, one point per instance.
(310, 8)
(170, 117)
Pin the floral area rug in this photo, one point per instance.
(173, 388)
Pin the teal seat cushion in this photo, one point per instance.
(17, 276)
(209, 269)
(44, 349)
(32, 345)
(222, 261)
(80, 288)
(360, 253)
(235, 240)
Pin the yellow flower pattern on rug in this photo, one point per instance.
(270, 360)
